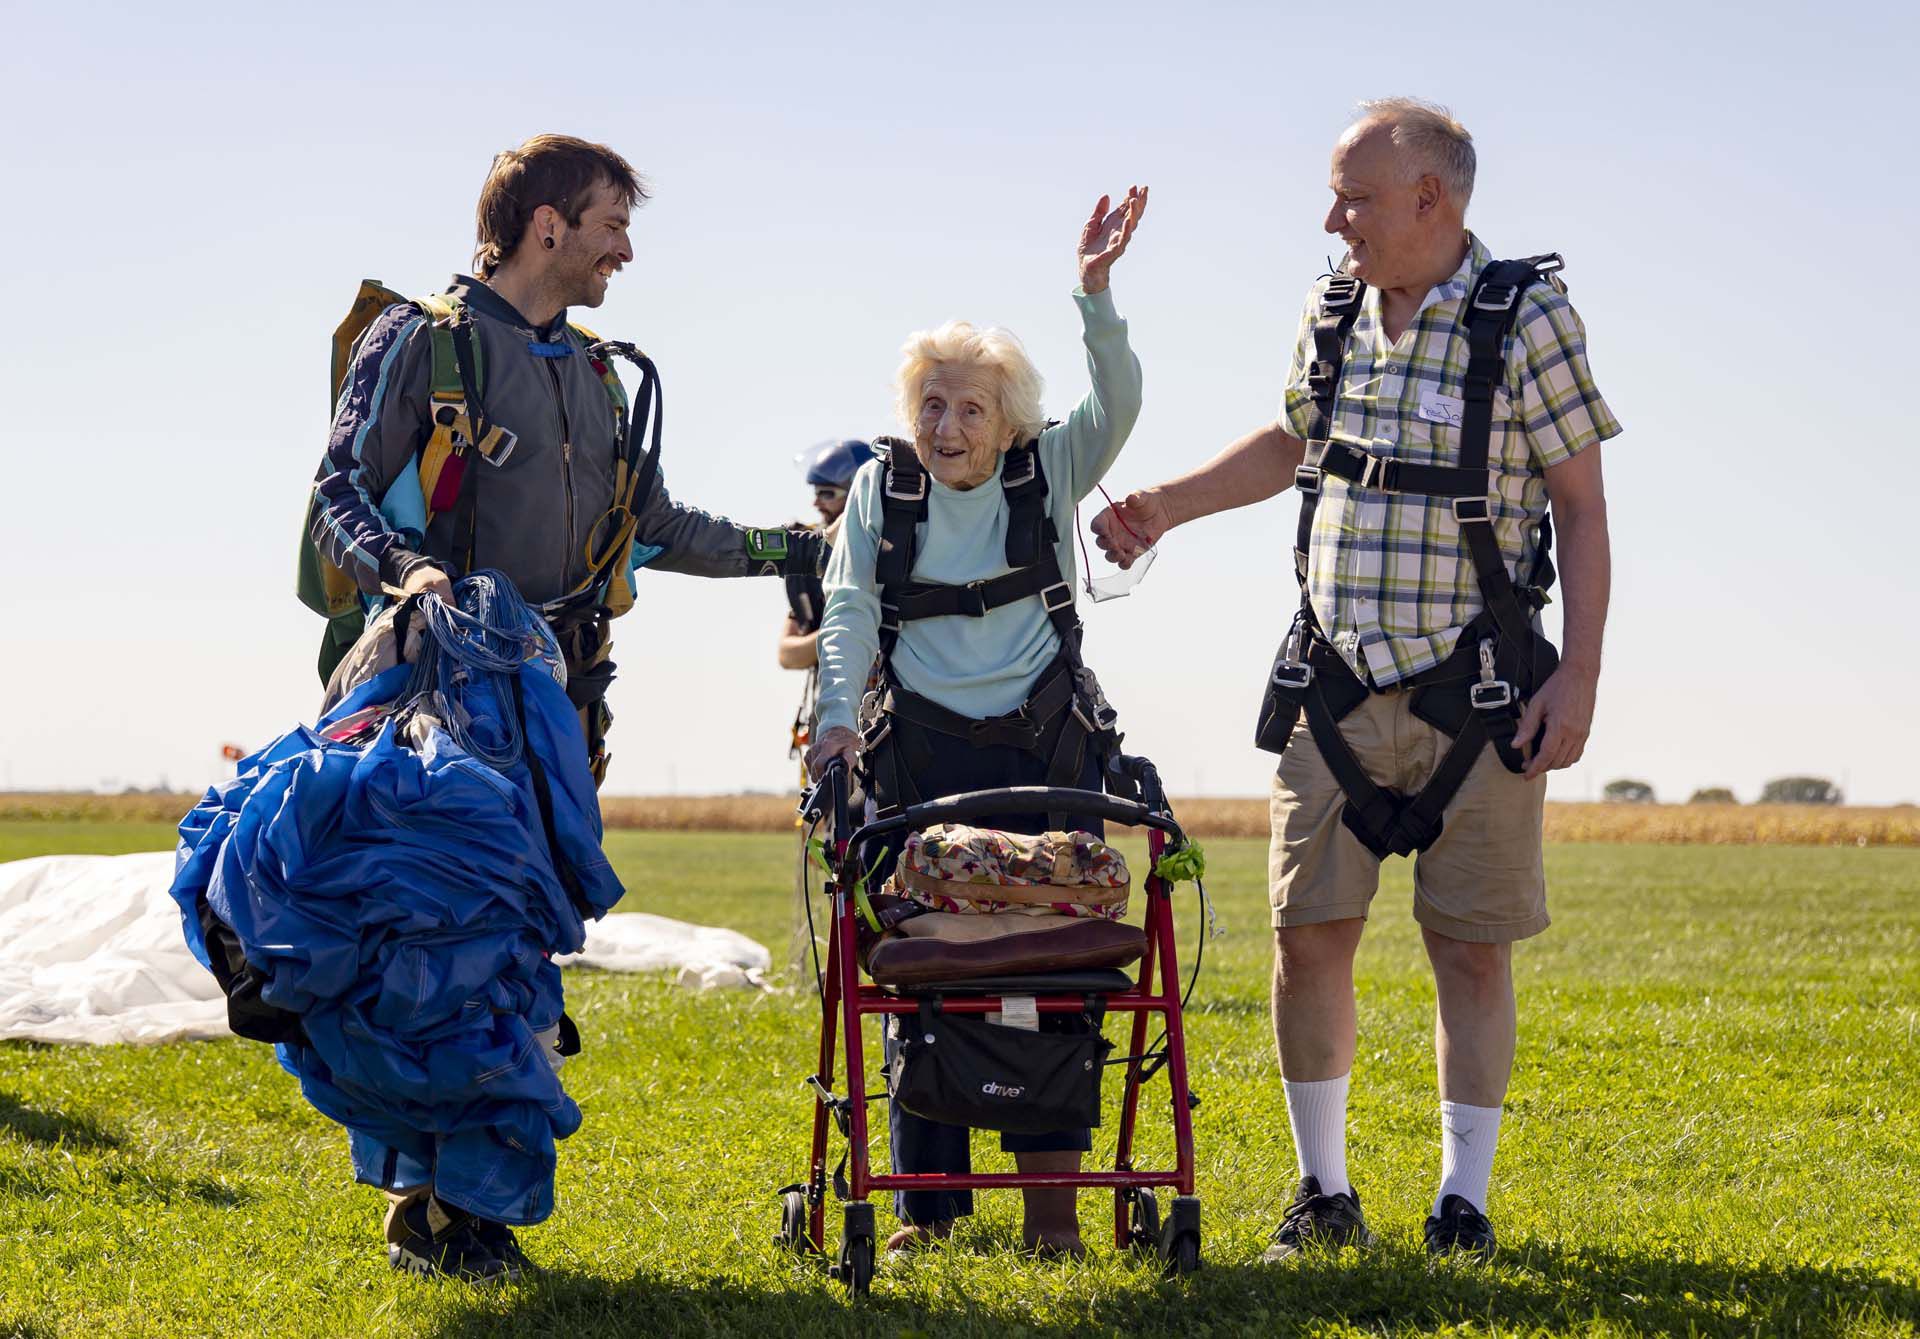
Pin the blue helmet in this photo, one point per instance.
(832, 464)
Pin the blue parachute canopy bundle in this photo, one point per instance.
(397, 877)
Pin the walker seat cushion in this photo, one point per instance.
(954, 946)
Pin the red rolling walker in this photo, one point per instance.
(846, 1000)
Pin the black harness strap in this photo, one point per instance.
(1367, 470)
(1023, 728)
(904, 486)
(1340, 304)
(467, 508)
(973, 600)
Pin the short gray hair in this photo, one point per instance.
(1431, 138)
(993, 349)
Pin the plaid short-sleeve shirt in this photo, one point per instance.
(1388, 573)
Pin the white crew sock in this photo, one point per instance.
(1467, 1138)
(1318, 1113)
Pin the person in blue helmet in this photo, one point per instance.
(831, 466)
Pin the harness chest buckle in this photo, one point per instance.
(1472, 510)
(1064, 600)
(1306, 478)
(1379, 472)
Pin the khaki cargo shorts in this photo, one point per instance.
(1482, 881)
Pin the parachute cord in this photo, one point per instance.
(477, 641)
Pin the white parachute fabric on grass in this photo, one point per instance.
(91, 953)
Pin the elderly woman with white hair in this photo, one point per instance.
(956, 568)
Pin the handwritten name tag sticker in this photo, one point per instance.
(1438, 408)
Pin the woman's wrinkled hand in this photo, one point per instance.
(1104, 238)
(1131, 526)
(838, 743)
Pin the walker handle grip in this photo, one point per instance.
(827, 797)
(1021, 800)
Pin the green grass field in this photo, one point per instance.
(1714, 1128)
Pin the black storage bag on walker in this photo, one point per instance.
(967, 1071)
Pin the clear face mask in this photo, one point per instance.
(1118, 582)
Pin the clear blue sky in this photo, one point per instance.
(192, 196)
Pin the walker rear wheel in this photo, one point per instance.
(795, 1225)
(1143, 1218)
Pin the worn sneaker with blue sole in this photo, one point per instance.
(440, 1240)
(1318, 1220)
(1460, 1229)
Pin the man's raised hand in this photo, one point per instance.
(1131, 526)
(1104, 238)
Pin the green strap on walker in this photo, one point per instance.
(1185, 863)
(817, 849)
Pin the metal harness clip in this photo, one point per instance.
(920, 476)
(1496, 297)
(1490, 694)
(1292, 669)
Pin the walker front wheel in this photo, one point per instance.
(1180, 1237)
(856, 1249)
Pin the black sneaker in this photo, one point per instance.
(444, 1241)
(1459, 1227)
(499, 1238)
(1318, 1220)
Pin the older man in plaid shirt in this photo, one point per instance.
(1391, 584)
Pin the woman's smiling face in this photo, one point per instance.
(960, 433)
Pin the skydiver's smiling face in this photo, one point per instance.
(592, 251)
(961, 431)
(1382, 209)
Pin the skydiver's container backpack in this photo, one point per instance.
(1476, 695)
(460, 427)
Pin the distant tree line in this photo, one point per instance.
(1780, 790)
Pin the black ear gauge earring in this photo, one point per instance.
(547, 242)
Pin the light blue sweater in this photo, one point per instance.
(975, 666)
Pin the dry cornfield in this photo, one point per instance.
(1667, 824)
